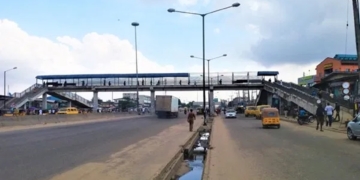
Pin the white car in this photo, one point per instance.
(353, 128)
(230, 114)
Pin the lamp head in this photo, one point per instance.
(235, 5)
(135, 24)
(171, 10)
(15, 68)
(192, 56)
(225, 55)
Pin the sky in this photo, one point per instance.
(42, 37)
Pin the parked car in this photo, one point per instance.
(353, 128)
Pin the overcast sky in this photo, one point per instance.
(90, 36)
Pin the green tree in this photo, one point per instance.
(126, 103)
(190, 104)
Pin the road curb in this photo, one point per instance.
(65, 123)
(295, 122)
(207, 163)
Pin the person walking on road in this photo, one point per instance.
(319, 117)
(191, 118)
(329, 112)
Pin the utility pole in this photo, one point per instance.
(357, 38)
(355, 5)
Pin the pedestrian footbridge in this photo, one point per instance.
(64, 86)
(37, 90)
(305, 98)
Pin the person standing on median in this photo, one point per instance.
(190, 119)
(319, 117)
(329, 112)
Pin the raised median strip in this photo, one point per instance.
(336, 126)
(224, 161)
(30, 120)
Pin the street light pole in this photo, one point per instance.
(208, 74)
(208, 60)
(204, 92)
(135, 24)
(203, 36)
(5, 84)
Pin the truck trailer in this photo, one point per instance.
(167, 106)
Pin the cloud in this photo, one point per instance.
(293, 31)
(94, 53)
(217, 31)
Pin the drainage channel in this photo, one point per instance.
(193, 166)
(188, 164)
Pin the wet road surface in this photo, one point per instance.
(293, 152)
(37, 154)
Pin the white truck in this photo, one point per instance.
(167, 106)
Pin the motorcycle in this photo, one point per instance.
(305, 119)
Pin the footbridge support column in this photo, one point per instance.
(269, 98)
(95, 101)
(152, 100)
(211, 100)
(44, 101)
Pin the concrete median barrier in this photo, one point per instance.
(52, 119)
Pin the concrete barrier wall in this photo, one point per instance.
(45, 119)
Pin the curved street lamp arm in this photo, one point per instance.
(10, 69)
(216, 57)
(196, 57)
(218, 10)
(208, 59)
(184, 12)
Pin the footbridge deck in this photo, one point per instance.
(145, 79)
(152, 81)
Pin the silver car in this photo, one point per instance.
(353, 128)
(230, 114)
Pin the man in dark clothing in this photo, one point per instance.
(319, 117)
(337, 110)
(190, 119)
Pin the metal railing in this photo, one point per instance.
(18, 96)
(307, 94)
(75, 97)
(29, 93)
(326, 96)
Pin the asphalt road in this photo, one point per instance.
(295, 152)
(37, 154)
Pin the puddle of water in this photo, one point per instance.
(197, 167)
